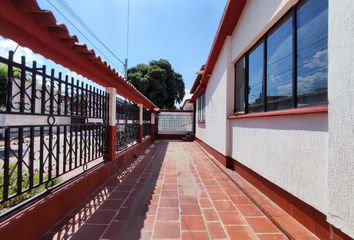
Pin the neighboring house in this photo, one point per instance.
(275, 102)
(187, 105)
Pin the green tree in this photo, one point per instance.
(158, 82)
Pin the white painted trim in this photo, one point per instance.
(152, 118)
(112, 92)
(141, 107)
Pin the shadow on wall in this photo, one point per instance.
(310, 122)
(126, 198)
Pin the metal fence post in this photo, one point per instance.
(112, 124)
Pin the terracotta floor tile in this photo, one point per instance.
(202, 195)
(172, 187)
(232, 218)
(213, 188)
(118, 195)
(250, 211)
(157, 190)
(210, 215)
(169, 202)
(89, 232)
(125, 187)
(190, 209)
(167, 214)
(195, 223)
(294, 228)
(155, 198)
(152, 209)
(159, 203)
(128, 202)
(101, 217)
(114, 230)
(275, 236)
(205, 203)
(210, 182)
(240, 200)
(148, 224)
(167, 230)
(188, 199)
(262, 225)
(224, 205)
(123, 214)
(111, 204)
(274, 210)
(195, 235)
(218, 196)
(145, 235)
(171, 175)
(233, 191)
(241, 233)
(169, 193)
(216, 231)
(172, 180)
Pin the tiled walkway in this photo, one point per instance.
(173, 192)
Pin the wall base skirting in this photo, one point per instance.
(307, 215)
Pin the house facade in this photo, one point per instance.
(275, 103)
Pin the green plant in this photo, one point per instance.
(25, 184)
(3, 82)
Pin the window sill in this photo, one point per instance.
(287, 112)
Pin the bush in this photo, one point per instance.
(25, 184)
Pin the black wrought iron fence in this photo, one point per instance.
(146, 122)
(127, 115)
(39, 140)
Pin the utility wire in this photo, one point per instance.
(127, 54)
(82, 34)
(77, 17)
(128, 17)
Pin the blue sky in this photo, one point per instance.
(181, 31)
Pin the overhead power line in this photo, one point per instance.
(77, 17)
(127, 54)
(96, 48)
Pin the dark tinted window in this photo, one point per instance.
(240, 85)
(279, 66)
(296, 69)
(312, 30)
(255, 79)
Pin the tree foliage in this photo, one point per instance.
(158, 82)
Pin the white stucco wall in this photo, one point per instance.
(310, 156)
(213, 131)
(257, 18)
(341, 115)
(290, 151)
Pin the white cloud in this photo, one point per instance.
(7, 45)
(314, 80)
(319, 60)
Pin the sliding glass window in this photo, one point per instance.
(240, 72)
(279, 66)
(255, 79)
(288, 68)
(312, 64)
